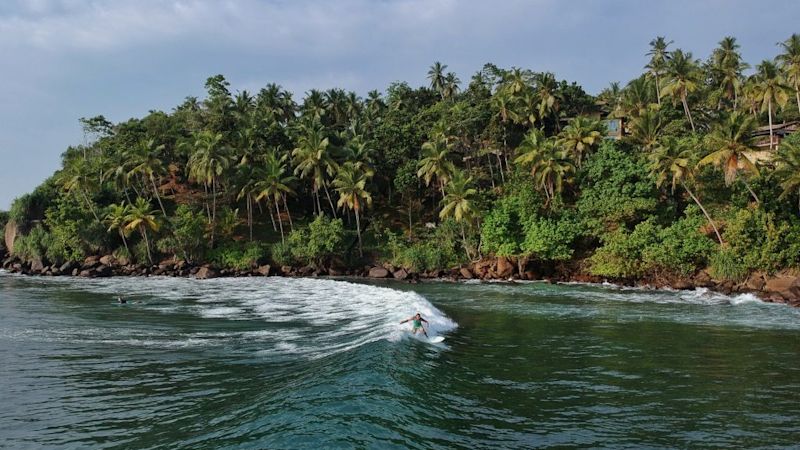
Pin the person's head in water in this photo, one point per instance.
(418, 316)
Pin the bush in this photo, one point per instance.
(550, 239)
(435, 249)
(726, 265)
(650, 249)
(188, 238)
(761, 242)
(319, 241)
(238, 256)
(33, 245)
(281, 254)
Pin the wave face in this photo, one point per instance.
(314, 363)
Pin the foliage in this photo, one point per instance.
(188, 237)
(650, 249)
(549, 239)
(322, 239)
(237, 256)
(436, 249)
(760, 242)
(617, 191)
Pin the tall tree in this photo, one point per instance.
(116, 219)
(682, 78)
(729, 144)
(437, 77)
(350, 183)
(147, 163)
(771, 92)
(208, 162)
(580, 137)
(141, 218)
(313, 159)
(790, 63)
(275, 184)
(674, 161)
(458, 203)
(435, 162)
(658, 61)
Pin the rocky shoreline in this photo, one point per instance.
(783, 287)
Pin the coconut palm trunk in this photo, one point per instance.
(658, 90)
(358, 232)
(288, 214)
(464, 241)
(686, 109)
(158, 197)
(705, 213)
(143, 230)
(124, 241)
(769, 114)
(330, 202)
(280, 222)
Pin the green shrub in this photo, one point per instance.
(439, 248)
(549, 239)
(33, 245)
(238, 256)
(726, 265)
(281, 254)
(319, 241)
(761, 242)
(650, 249)
(188, 237)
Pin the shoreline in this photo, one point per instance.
(781, 288)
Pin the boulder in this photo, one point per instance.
(504, 268)
(681, 284)
(378, 272)
(400, 274)
(108, 260)
(37, 266)
(67, 267)
(306, 270)
(11, 233)
(264, 270)
(90, 262)
(286, 270)
(206, 272)
(87, 273)
(103, 271)
(530, 275)
(787, 287)
(755, 282)
(466, 273)
(703, 279)
(334, 272)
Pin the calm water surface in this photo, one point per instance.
(307, 363)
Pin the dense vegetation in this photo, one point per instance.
(513, 163)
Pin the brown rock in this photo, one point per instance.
(681, 284)
(504, 268)
(466, 273)
(103, 271)
(91, 261)
(703, 279)
(400, 274)
(88, 273)
(530, 275)
(334, 272)
(264, 270)
(286, 270)
(108, 260)
(11, 233)
(755, 282)
(37, 266)
(206, 272)
(378, 272)
(783, 286)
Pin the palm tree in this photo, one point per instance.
(77, 177)
(727, 66)
(206, 165)
(549, 97)
(647, 129)
(729, 143)
(275, 184)
(314, 105)
(788, 170)
(549, 164)
(450, 89)
(437, 77)
(116, 220)
(580, 137)
(458, 203)
(658, 61)
(146, 163)
(350, 183)
(636, 97)
(674, 162)
(435, 162)
(312, 159)
(771, 91)
(790, 63)
(248, 177)
(682, 78)
(140, 217)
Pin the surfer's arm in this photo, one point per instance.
(423, 320)
(404, 321)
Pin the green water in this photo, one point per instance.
(293, 363)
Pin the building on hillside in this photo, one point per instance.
(779, 131)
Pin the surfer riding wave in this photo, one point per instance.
(416, 324)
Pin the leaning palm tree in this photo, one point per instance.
(435, 162)
(146, 162)
(141, 218)
(275, 184)
(581, 136)
(771, 91)
(116, 220)
(790, 63)
(437, 76)
(312, 159)
(674, 161)
(209, 160)
(729, 143)
(682, 78)
(350, 183)
(658, 61)
(458, 203)
(788, 170)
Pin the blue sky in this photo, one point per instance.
(65, 59)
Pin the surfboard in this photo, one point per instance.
(436, 339)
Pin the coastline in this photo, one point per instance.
(780, 288)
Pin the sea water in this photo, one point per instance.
(315, 363)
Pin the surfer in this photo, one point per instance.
(416, 324)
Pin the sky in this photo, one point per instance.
(61, 60)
